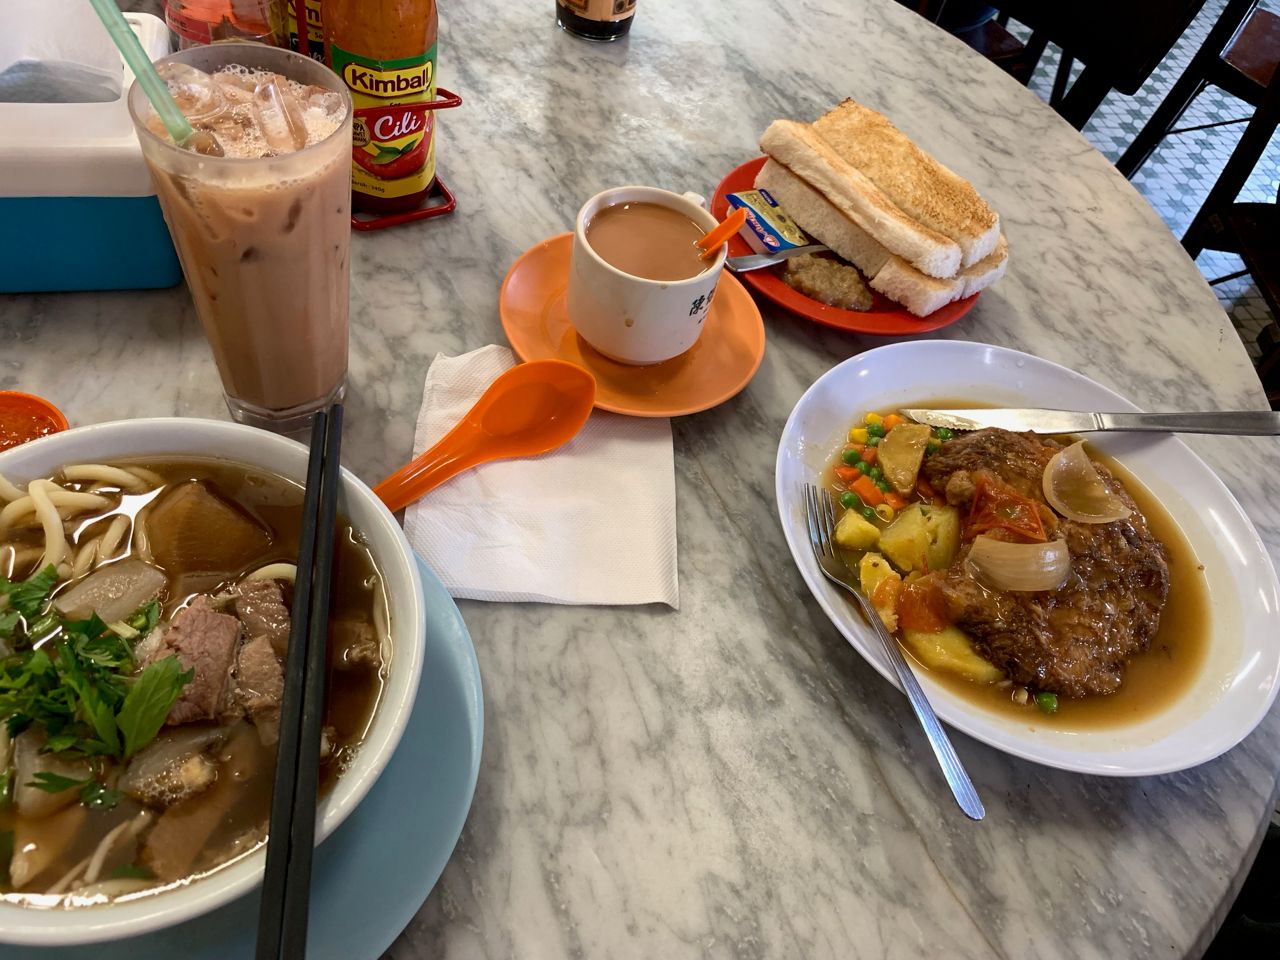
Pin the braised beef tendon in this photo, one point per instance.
(1074, 640)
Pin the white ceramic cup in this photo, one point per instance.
(632, 319)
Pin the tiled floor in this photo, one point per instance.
(1180, 173)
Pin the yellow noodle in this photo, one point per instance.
(8, 491)
(111, 539)
(86, 558)
(55, 541)
(149, 477)
(275, 571)
(69, 500)
(101, 473)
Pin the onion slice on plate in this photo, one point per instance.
(1027, 567)
(1073, 488)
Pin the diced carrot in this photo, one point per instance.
(895, 501)
(892, 420)
(868, 455)
(922, 607)
(847, 474)
(866, 488)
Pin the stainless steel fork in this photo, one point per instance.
(820, 518)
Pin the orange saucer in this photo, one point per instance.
(721, 363)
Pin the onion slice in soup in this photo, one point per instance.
(1074, 488)
(1026, 567)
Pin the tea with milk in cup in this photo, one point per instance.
(647, 240)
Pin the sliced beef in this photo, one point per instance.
(356, 642)
(260, 606)
(1074, 640)
(259, 687)
(204, 641)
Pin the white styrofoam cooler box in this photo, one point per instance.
(77, 209)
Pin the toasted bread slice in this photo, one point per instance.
(917, 183)
(987, 270)
(920, 294)
(806, 154)
(890, 274)
(819, 218)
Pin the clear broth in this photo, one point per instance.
(352, 693)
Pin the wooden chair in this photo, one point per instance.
(1120, 42)
(991, 39)
(1251, 230)
(1239, 56)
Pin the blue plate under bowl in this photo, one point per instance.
(373, 874)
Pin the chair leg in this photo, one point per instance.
(1243, 159)
(1186, 88)
(1033, 51)
(1084, 97)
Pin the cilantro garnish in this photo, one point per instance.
(79, 685)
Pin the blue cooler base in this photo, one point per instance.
(84, 243)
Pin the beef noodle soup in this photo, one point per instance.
(144, 622)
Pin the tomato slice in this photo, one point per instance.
(996, 505)
(922, 607)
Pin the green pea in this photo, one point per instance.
(943, 433)
(1048, 702)
(876, 473)
(869, 513)
(932, 447)
(851, 457)
(883, 486)
(873, 441)
(849, 500)
(875, 430)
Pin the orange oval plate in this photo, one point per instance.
(718, 366)
(885, 317)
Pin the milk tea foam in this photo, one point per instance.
(263, 232)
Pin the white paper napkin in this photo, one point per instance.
(593, 522)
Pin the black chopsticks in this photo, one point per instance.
(286, 884)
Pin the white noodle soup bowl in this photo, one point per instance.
(234, 443)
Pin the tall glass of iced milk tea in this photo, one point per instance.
(263, 231)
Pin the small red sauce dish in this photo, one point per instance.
(24, 416)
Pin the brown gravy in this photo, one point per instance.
(1154, 679)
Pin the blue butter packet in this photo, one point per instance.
(768, 228)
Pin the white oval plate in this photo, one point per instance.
(1238, 680)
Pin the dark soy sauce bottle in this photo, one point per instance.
(599, 20)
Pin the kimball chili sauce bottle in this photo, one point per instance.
(385, 51)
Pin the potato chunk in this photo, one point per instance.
(855, 532)
(882, 585)
(922, 538)
(906, 542)
(951, 649)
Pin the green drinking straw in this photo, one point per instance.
(123, 37)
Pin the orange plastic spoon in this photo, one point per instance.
(718, 235)
(529, 410)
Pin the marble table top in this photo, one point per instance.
(731, 780)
